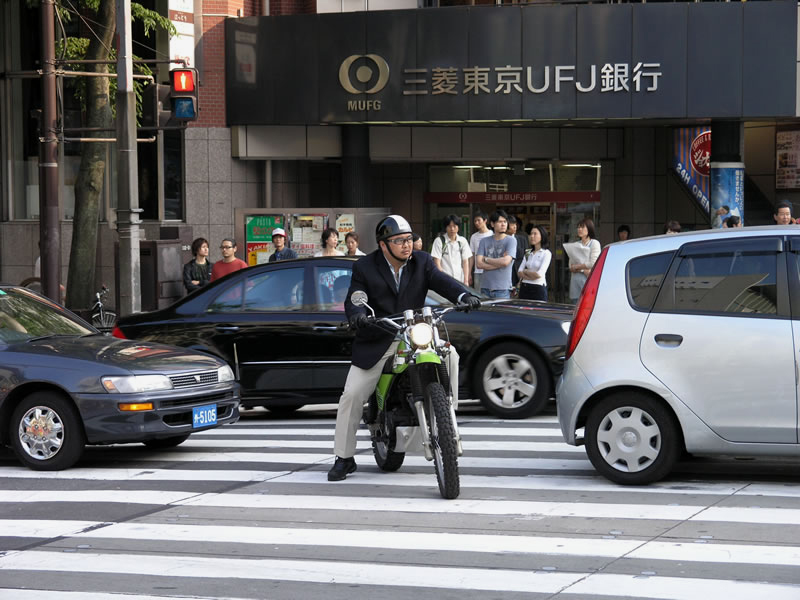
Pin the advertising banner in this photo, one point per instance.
(345, 223)
(787, 163)
(727, 192)
(691, 159)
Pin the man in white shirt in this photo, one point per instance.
(451, 251)
(481, 231)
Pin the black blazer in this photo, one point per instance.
(372, 274)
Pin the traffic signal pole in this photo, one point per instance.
(49, 218)
(127, 182)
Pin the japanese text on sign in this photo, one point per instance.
(617, 77)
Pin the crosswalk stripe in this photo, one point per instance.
(473, 445)
(593, 483)
(351, 573)
(416, 576)
(532, 509)
(411, 540)
(20, 594)
(465, 462)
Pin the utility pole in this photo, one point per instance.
(49, 217)
(127, 181)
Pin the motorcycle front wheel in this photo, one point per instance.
(443, 441)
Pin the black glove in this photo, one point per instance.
(358, 321)
(473, 302)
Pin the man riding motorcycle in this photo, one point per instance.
(395, 278)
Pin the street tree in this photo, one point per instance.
(96, 43)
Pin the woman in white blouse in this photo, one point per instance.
(330, 239)
(533, 268)
(588, 251)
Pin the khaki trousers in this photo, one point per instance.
(357, 389)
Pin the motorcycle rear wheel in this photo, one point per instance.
(443, 441)
(387, 460)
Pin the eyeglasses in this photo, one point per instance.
(226, 247)
(402, 241)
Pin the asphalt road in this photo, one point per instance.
(245, 511)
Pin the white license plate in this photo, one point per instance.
(203, 416)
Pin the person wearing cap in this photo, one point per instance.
(281, 251)
(395, 278)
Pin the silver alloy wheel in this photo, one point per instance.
(509, 380)
(629, 439)
(41, 432)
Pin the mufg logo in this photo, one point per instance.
(370, 73)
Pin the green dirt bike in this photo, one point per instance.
(411, 409)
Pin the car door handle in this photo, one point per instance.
(669, 340)
(324, 327)
(227, 328)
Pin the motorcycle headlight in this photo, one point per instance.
(132, 384)
(421, 335)
(224, 374)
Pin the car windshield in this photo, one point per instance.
(24, 315)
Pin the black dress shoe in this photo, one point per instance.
(342, 468)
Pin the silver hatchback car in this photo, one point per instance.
(685, 343)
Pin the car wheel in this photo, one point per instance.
(632, 439)
(169, 442)
(512, 381)
(46, 432)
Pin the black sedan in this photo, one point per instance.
(281, 327)
(63, 384)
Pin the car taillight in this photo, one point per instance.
(585, 304)
(117, 332)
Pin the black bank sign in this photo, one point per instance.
(536, 62)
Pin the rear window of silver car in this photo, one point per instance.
(645, 276)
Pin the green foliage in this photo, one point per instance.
(151, 20)
(73, 48)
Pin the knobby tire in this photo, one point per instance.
(443, 441)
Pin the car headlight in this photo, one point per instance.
(421, 335)
(132, 384)
(225, 374)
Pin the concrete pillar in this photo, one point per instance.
(355, 166)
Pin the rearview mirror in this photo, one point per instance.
(359, 298)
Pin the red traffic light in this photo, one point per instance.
(182, 80)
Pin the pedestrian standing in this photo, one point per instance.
(330, 239)
(533, 270)
(351, 241)
(229, 262)
(495, 256)
(586, 251)
(783, 213)
(522, 246)
(451, 251)
(197, 272)
(481, 231)
(281, 251)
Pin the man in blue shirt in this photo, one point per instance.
(495, 256)
(281, 252)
